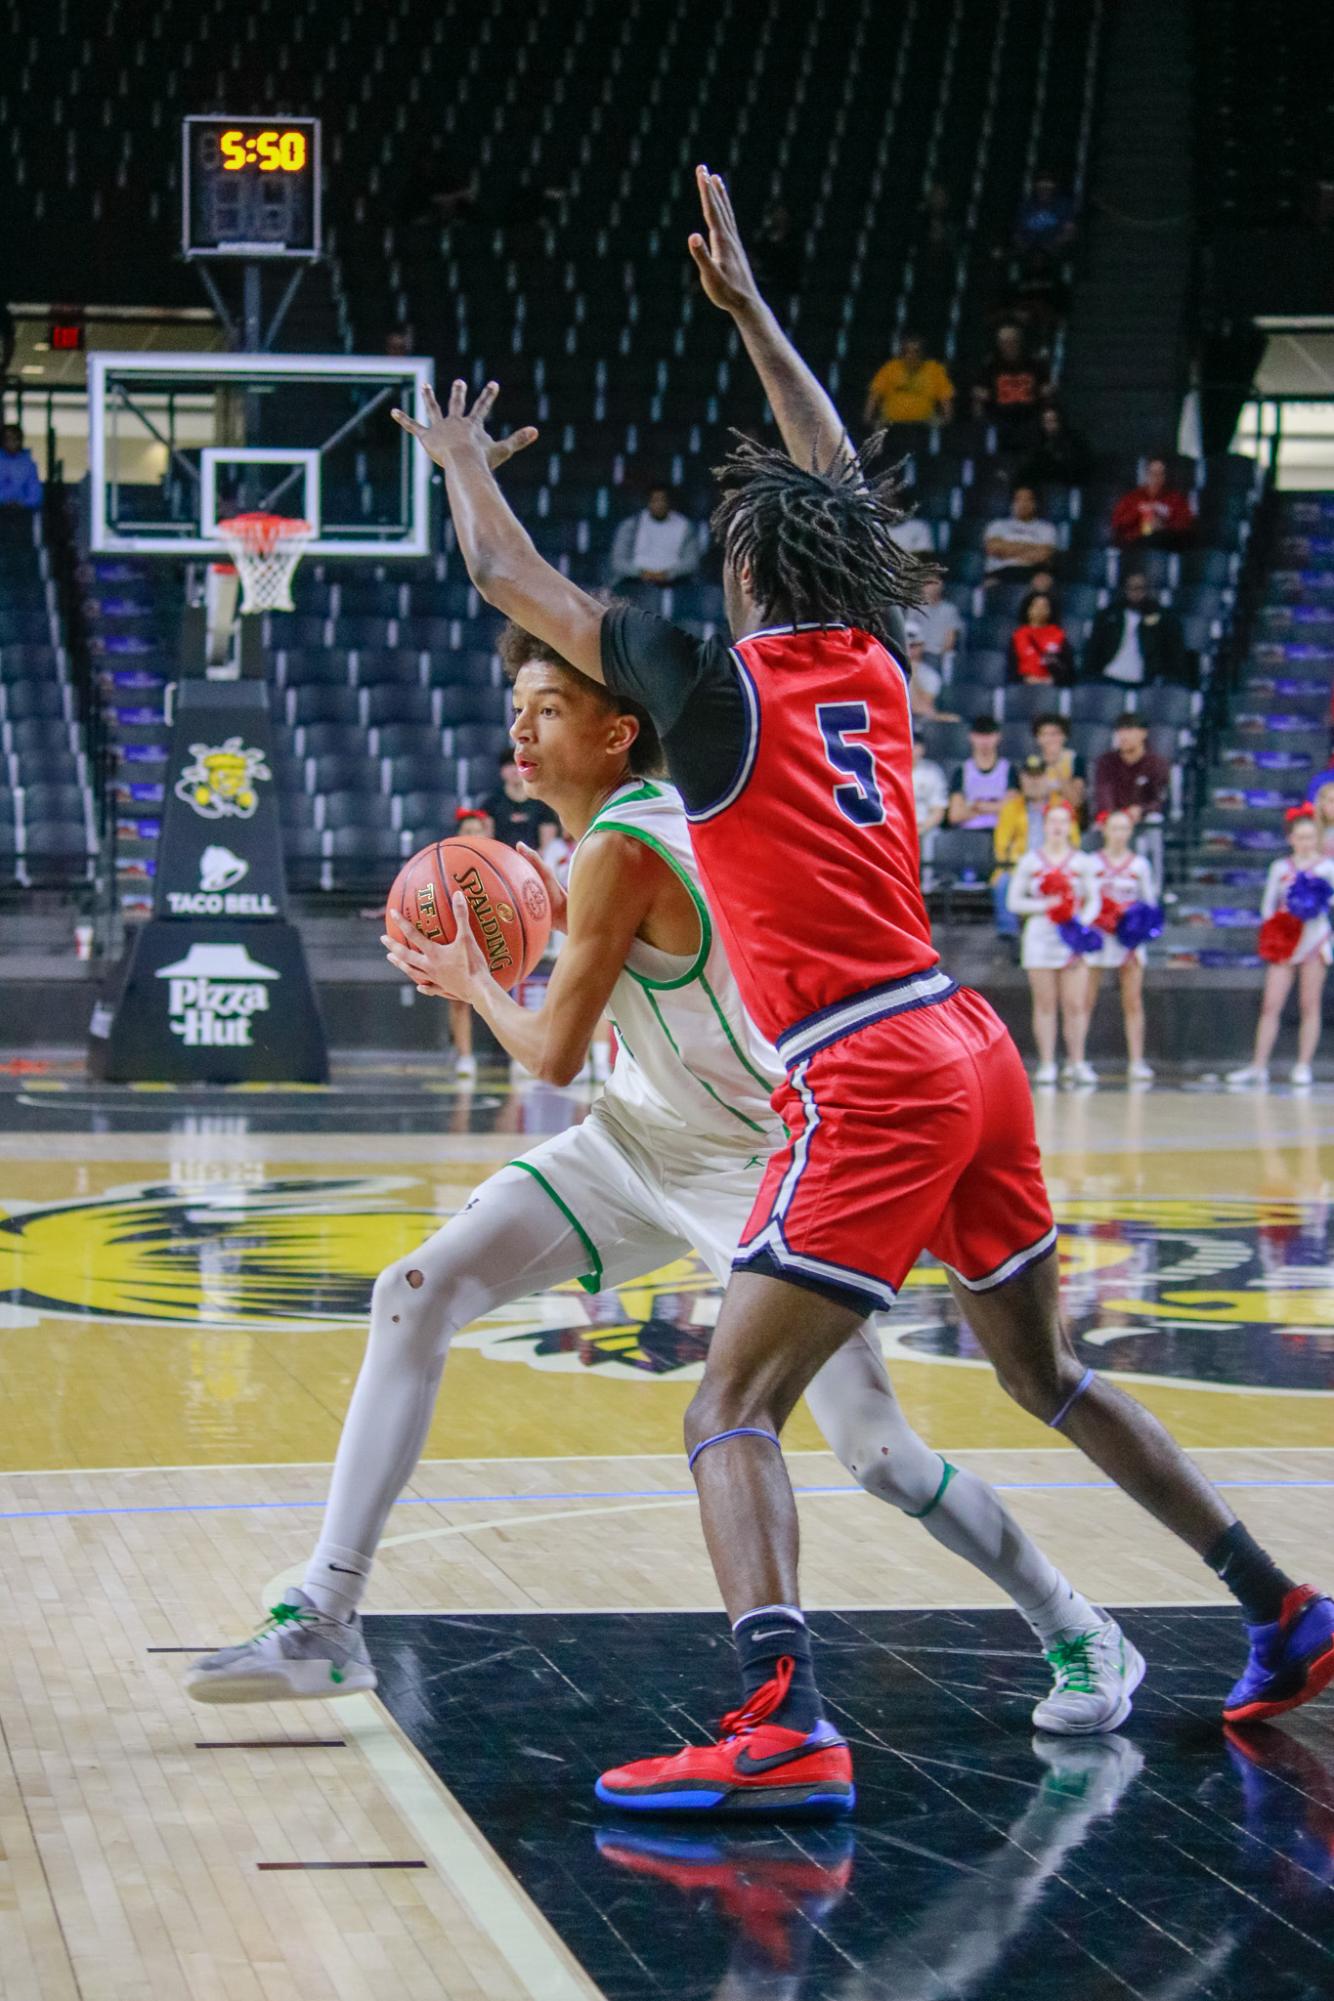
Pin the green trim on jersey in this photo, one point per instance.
(592, 1279)
(703, 1082)
(766, 1083)
(696, 971)
(648, 790)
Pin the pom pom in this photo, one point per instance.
(1080, 937)
(1055, 883)
(1308, 896)
(1109, 915)
(1278, 937)
(1138, 923)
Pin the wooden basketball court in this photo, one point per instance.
(183, 1280)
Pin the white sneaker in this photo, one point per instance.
(465, 1066)
(296, 1655)
(1083, 1073)
(1094, 1676)
(1140, 1073)
(1045, 1073)
(1302, 1075)
(1249, 1074)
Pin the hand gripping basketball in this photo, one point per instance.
(504, 897)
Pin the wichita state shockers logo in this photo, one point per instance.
(219, 782)
(1210, 1293)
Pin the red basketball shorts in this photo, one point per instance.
(908, 1131)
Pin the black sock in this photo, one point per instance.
(1253, 1578)
(764, 1638)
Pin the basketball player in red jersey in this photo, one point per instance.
(908, 1112)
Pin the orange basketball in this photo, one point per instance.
(511, 911)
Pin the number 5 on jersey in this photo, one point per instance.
(860, 801)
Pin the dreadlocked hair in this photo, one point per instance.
(816, 539)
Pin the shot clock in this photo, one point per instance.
(251, 187)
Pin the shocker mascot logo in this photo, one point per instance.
(1213, 1294)
(219, 782)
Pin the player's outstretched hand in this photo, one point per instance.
(555, 887)
(449, 970)
(459, 429)
(722, 263)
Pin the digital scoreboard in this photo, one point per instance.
(250, 187)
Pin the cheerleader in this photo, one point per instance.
(1054, 890)
(1125, 882)
(1295, 939)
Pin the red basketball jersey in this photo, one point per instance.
(810, 862)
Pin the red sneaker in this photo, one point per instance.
(754, 1768)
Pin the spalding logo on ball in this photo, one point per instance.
(507, 901)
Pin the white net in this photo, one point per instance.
(266, 549)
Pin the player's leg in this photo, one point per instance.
(1042, 981)
(1074, 1013)
(1277, 987)
(1132, 1010)
(1310, 992)
(1013, 1307)
(853, 1402)
(511, 1240)
(460, 1029)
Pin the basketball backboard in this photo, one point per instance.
(179, 441)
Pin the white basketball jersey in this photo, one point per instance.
(690, 1063)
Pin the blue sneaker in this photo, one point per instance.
(1291, 1660)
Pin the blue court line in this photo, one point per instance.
(599, 1494)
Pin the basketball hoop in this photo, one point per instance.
(266, 549)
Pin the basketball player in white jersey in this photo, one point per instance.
(668, 1160)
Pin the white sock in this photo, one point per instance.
(336, 1580)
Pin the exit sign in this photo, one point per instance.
(66, 330)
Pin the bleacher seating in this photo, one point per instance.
(386, 693)
(48, 823)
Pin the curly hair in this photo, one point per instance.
(519, 648)
(817, 540)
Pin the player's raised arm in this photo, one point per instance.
(812, 429)
(497, 549)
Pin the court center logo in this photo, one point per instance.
(1214, 1294)
(219, 781)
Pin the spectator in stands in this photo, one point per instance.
(940, 622)
(1018, 543)
(656, 546)
(19, 482)
(517, 819)
(924, 681)
(1130, 778)
(775, 252)
(1052, 771)
(1010, 389)
(1039, 645)
(914, 534)
(981, 782)
(1045, 219)
(910, 388)
(1136, 641)
(401, 340)
(1061, 456)
(1011, 841)
(930, 791)
(1153, 515)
